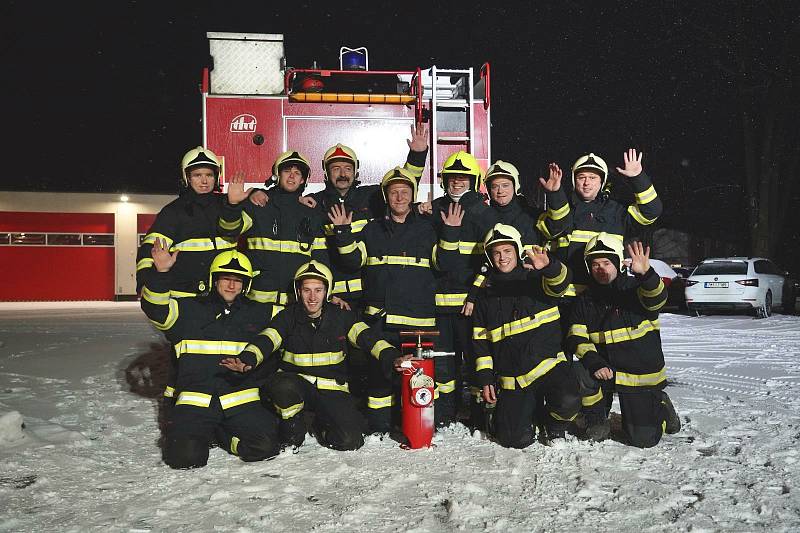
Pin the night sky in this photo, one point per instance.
(103, 96)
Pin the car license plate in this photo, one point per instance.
(716, 285)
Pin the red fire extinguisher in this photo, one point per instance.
(416, 400)
(418, 388)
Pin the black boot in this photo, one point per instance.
(597, 427)
(673, 420)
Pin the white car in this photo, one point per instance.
(735, 283)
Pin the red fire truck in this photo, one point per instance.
(254, 108)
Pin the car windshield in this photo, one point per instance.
(721, 267)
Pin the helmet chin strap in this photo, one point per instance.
(456, 197)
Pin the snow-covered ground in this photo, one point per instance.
(83, 378)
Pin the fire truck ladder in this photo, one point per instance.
(452, 119)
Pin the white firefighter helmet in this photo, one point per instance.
(291, 158)
(502, 233)
(604, 245)
(503, 169)
(591, 163)
(200, 157)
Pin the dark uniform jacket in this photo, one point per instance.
(516, 334)
(188, 224)
(397, 262)
(316, 348)
(453, 285)
(617, 326)
(536, 227)
(604, 214)
(280, 237)
(366, 203)
(204, 330)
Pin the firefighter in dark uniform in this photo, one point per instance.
(312, 336)
(342, 188)
(461, 178)
(211, 403)
(593, 211)
(397, 255)
(536, 229)
(517, 340)
(615, 333)
(280, 236)
(188, 224)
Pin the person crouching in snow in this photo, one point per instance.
(211, 404)
(312, 335)
(614, 331)
(517, 340)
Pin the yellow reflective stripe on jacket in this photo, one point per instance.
(169, 391)
(172, 317)
(182, 294)
(203, 245)
(521, 326)
(445, 387)
(239, 398)
(313, 359)
(640, 380)
(273, 335)
(326, 383)
(320, 243)
(584, 348)
(401, 260)
(380, 346)
(379, 402)
(352, 247)
(479, 281)
(197, 399)
(511, 382)
(275, 245)
(253, 349)
(480, 334)
(150, 238)
(147, 262)
(483, 363)
(580, 235)
(624, 334)
(289, 412)
(402, 320)
(588, 401)
(209, 347)
(268, 297)
(356, 330)
(558, 214)
(372, 310)
(579, 330)
(450, 300)
(637, 215)
(644, 293)
(224, 224)
(549, 283)
(470, 248)
(574, 289)
(155, 298)
(448, 245)
(646, 196)
(347, 285)
(355, 227)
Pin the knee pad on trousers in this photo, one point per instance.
(341, 439)
(292, 431)
(566, 405)
(519, 440)
(644, 436)
(185, 452)
(258, 450)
